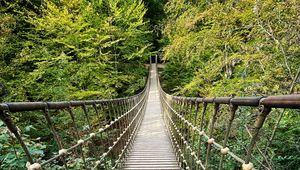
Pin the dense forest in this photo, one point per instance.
(238, 48)
(72, 49)
(62, 50)
(54, 50)
(232, 47)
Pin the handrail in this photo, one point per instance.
(120, 119)
(32, 106)
(280, 101)
(185, 122)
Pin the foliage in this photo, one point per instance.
(73, 49)
(87, 49)
(54, 50)
(12, 155)
(155, 13)
(224, 48)
(243, 48)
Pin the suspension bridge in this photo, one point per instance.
(151, 130)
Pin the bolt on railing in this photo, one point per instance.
(105, 128)
(192, 123)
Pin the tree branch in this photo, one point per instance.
(271, 34)
(293, 84)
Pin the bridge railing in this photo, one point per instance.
(203, 130)
(96, 133)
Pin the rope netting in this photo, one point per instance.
(205, 131)
(94, 133)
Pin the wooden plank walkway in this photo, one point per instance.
(152, 147)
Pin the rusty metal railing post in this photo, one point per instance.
(5, 117)
(211, 129)
(55, 135)
(69, 109)
(264, 111)
(224, 150)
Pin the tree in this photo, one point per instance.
(75, 50)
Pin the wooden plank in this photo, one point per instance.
(152, 147)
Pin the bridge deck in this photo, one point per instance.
(152, 147)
